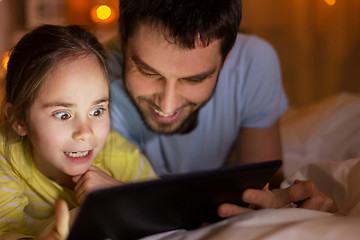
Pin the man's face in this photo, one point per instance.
(168, 84)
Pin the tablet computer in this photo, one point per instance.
(182, 201)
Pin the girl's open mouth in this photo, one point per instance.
(79, 157)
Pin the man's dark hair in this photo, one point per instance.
(184, 22)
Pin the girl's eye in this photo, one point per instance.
(62, 115)
(98, 112)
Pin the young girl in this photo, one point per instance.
(56, 142)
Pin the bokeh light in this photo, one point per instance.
(5, 60)
(102, 13)
(330, 2)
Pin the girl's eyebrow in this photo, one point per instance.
(103, 100)
(68, 105)
(57, 104)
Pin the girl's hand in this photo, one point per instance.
(93, 179)
(60, 230)
(303, 193)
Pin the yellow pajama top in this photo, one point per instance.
(27, 197)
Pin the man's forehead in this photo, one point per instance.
(198, 41)
(155, 51)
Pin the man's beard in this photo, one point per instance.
(187, 124)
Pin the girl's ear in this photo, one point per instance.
(19, 127)
(17, 124)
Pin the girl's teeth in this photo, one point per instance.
(163, 114)
(77, 154)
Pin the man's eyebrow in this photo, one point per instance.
(68, 105)
(140, 63)
(197, 77)
(200, 76)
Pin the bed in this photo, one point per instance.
(321, 142)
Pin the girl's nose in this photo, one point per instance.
(83, 131)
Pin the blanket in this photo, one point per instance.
(321, 143)
(338, 179)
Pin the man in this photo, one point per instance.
(192, 92)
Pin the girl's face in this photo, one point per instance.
(68, 122)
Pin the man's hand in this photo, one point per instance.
(60, 230)
(302, 193)
(92, 180)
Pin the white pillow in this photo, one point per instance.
(328, 130)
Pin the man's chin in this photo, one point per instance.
(180, 126)
(165, 129)
(173, 128)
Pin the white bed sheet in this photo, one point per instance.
(338, 179)
(321, 143)
(328, 130)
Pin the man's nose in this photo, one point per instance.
(168, 100)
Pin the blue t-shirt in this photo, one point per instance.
(249, 93)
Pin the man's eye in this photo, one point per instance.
(97, 112)
(147, 73)
(62, 115)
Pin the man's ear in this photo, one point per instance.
(18, 125)
(227, 56)
(225, 59)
